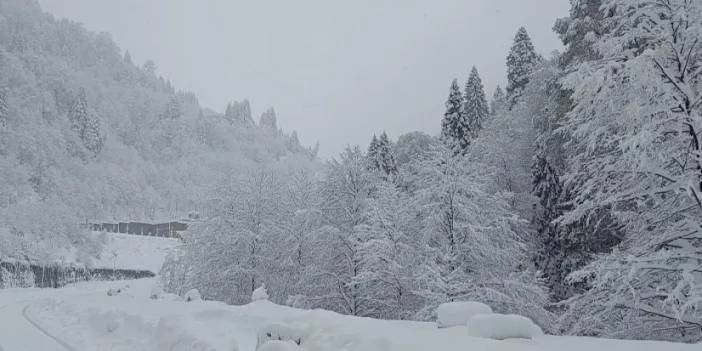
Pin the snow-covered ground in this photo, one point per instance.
(137, 252)
(84, 317)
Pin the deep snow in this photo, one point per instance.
(84, 317)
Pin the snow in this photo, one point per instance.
(192, 295)
(134, 252)
(83, 317)
(502, 326)
(259, 294)
(458, 313)
(277, 345)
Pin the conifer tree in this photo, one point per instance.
(127, 57)
(3, 109)
(386, 155)
(499, 101)
(521, 60)
(85, 125)
(455, 130)
(372, 154)
(475, 108)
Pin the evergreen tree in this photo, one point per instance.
(499, 101)
(127, 57)
(381, 155)
(173, 109)
(372, 154)
(455, 130)
(475, 107)
(268, 120)
(86, 125)
(386, 155)
(580, 30)
(78, 114)
(3, 109)
(521, 61)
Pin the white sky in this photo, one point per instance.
(335, 71)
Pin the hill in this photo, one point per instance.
(86, 134)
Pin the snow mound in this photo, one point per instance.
(156, 292)
(278, 345)
(192, 295)
(502, 326)
(175, 333)
(259, 294)
(292, 332)
(452, 314)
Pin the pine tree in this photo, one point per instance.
(455, 130)
(386, 155)
(521, 60)
(381, 155)
(173, 109)
(499, 101)
(86, 125)
(475, 107)
(268, 120)
(78, 114)
(127, 57)
(580, 30)
(3, 109)
(372, 154)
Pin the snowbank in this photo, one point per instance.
(502, 326)
(87, 319)
(277, 345)
(180, 334)
(452, 314)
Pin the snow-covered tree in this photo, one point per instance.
(345, 194)
(268, 120)
(474, 249)
(475, 105)
(86, 124)
(521, 60)
(381, 155)
(580, 30)
(455, 129)
(173, 109)
(499, 101)
(3, 108)
(635, 126)
(391, 254)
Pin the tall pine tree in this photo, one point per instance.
(85, 125)
(521, 61)
(499, 101)
(3, 109)
(455, 129)
(475, 107)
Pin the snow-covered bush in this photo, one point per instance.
(260, 293)
(192, 295)
(453, 314)
(502, 326)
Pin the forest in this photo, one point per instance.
(573, 196)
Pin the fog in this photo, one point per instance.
(336, 72)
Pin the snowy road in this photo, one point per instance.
(18, 332)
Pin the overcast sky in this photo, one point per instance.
(335, 71)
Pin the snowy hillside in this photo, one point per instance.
(84, 317)
(133, 252)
